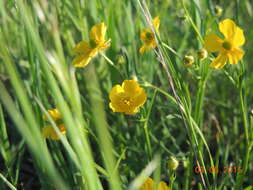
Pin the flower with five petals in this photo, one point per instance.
(148, 37)
(127, 98)
(87, 50)
(228, 47)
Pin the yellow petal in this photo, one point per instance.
(81, 60)
(105, 45)
(148, 185)
(115, 92)
(140, 98)
(81, 47)
(130, 86)
(143, 48)
(97, 33)
(239, 38)
(55, 114)
(54, 134)
(156, 23)
(163, 186)
(131, 111)
(232, 32)
(235, 55)
(47, 131)
(213, 43)
(219, 62)
(115, 107)
(227, 28)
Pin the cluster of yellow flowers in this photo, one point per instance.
(129, 97)
(228, 47)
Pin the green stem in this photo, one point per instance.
(240, 176)
(146, 127)
(7, 182)
(192, 23)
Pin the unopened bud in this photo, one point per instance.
(218, 11)
(120, 59)
(202, 54)
(188, 60)
(172, 163)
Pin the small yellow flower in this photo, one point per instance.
(127, 98)
(48, 131)
(87, 50)
(149, 185)
(148, 37)
(229, 47)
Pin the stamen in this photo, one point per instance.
(126, 101)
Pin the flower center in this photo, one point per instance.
(127, 101)
(93, 44)
(227, 45)
(149, 36)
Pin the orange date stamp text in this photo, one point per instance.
(218, 170)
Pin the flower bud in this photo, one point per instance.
(218, 11)
(120, 59)
(188, 60)
(202, 54)
(172, 163)
(181, 15)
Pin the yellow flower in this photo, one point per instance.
(127, 98)
(48, 131)
(149, 185)
(148, 37)
(88, 50)
(229, 47)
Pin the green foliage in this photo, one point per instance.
(199, 115)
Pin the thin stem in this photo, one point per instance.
(146, 127)
(240, 176)
(7, 182)
(192, 23)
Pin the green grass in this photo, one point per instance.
(200, 115)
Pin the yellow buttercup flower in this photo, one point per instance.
(127, 98)
(149, 185)
(148, 37)
(87, 50)
(48, 131)
(228, 47)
